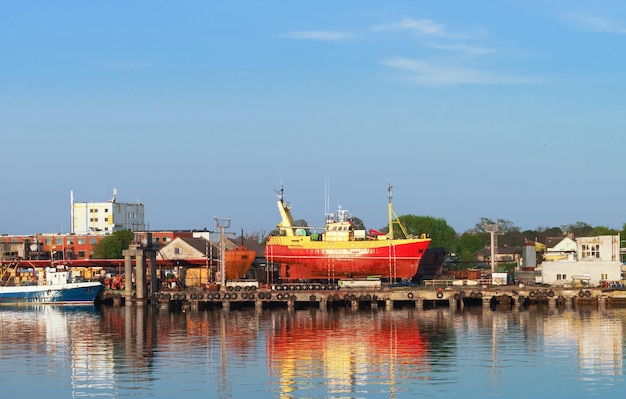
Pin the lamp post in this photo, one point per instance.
(222, 224)
(492, 229)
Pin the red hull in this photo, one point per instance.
(396, 260)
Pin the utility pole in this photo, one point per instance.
(222, 224)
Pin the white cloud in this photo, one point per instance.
(320, 35)
(425, 27)
(461, 48)
(425, 73)
(596, 24)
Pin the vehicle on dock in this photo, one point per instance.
(340, 251)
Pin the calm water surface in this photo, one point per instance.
(66, 352)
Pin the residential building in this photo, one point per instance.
(596, 260)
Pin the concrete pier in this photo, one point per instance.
(420, 298)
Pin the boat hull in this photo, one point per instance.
(71, 293)
(304, 259)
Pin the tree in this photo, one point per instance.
(437, 229)
(357, 223)
(470, 243)
(111, 247)
(508, 234)
(541, 234)
(579, 229)
(602, 231)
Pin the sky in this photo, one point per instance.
(501, 109)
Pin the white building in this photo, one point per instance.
(597, 259)
(106, 217)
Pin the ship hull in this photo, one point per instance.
(304, 259)
(71, 293)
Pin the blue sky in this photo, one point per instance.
(500, 109)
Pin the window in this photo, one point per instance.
(70, 241)
(106, 219)
(106, 210)
(48, 241)
(178, 251)
(58, 241)
(591, 251)
(92, 240)
(558, 276)
(604, 276)
(81, 241)
(81, 254)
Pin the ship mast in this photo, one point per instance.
(286, 222)
(390, 211)
(392, 215)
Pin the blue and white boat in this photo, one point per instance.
(56, 287)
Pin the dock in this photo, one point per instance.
(384, 297)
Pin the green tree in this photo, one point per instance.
(111, 247)
(602, 231)
(437, 229)
(470, 243)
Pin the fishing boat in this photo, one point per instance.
(52, 285)
(340, 251)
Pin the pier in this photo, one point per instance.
(385, 298)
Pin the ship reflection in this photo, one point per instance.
(62, 338)
(343, 350)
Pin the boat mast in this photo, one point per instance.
(390, 211)
(393, 218)
(286, 222)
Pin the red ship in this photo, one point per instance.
(341, 252)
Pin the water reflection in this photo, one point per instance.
(347, 352)
(62, 341)
(146, 351)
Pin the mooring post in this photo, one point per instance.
(128, 276)
(140, 273)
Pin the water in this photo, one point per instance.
(63, 352)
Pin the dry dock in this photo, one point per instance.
(388, 298)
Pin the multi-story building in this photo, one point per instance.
(106, 217)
